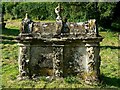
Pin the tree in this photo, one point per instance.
(74, 11)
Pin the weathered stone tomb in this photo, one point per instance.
(59, 48)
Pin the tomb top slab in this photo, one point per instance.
(59, 29)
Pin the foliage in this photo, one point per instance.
(71, 79)
(74, 11)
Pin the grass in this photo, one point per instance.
(109, 64)
(109, 57)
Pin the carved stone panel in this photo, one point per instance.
(93, 62)
(90, 62)
(58, 61)
(79, 56)
(23, 61)
(74, 59)
(41, 57)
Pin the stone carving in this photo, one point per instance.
(58, 19)
(61, 25)
(26, 25)
(58, 12)
(23, 61)
(73, 53)
(57, 63)
(91, 62)
(65, 29)
(92, 24)
(60, 28)
(37, 27)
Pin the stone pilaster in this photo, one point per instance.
(24, 58)
(92, 62)
(57, 61)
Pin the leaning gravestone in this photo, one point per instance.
(59, 49)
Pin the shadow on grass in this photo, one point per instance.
(12, 32)
(112, 47)
(110, 81)
(9, 42)
(6, 37)
(113, 29)
(110, 27)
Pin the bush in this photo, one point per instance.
(7, 16)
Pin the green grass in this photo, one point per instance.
(109, 64)
(109, 59)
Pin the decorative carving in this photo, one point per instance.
(91, 62)
(26, 25)
(58, 19)
(92, 24)
(65, 29)
(58, 12)
(61, 25)
(23, 61)
(57, 63)
(92, 73)
(46, 51)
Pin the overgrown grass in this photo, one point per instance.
(109, 59)
(109, 65)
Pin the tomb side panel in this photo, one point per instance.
(42, 59)
(75, 59)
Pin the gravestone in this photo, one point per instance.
(59, 49)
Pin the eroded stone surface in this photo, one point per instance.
(59, 49)
(62, 57)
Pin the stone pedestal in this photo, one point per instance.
(60, 57)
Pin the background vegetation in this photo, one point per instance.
(109, 19)
(108, 14)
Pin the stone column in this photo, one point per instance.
(92, 62)
(23, 61)
(58, 61)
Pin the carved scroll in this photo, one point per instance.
(23, 61)
(57, 61)
(91, 62)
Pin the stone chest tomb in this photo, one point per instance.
(59, 48)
